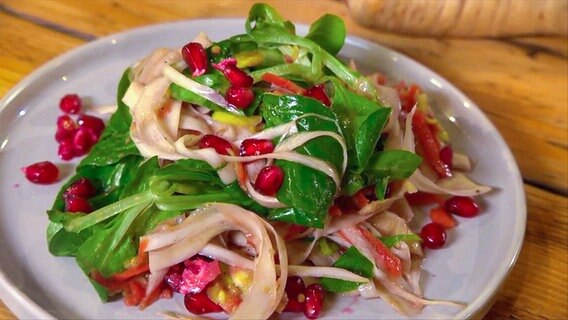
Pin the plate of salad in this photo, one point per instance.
(250, 169)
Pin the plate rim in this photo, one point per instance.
(24, 307)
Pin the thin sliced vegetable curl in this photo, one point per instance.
(308, 178)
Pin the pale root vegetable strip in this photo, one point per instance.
(329, 272)
(171, 246)
(463, 18)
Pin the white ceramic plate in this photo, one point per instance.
(34, 284)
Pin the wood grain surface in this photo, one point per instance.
(520, 83)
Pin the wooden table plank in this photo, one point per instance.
(536, 287)
(5, 313)
(501, 77)
(522, 91)
(25, 47)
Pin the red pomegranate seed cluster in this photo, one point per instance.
(236, 76)
(240, 97)
(308, 300)
(70, 103)
(317, 92)
(194, 55)
(76, 138)
(220, 145)
(462, 206)
(77, 196)
(434, 234)
(255, 147)
(240, 93)
(43, 172)
(199, 303)
(269, 180)
(195, 302)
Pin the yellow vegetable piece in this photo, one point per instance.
(249, 59)
(409, 187)
(216, 293)
(237, 120)
(242, 278)
(423, 105)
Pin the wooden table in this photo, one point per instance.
(520, 83)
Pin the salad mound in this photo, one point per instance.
(258, 174)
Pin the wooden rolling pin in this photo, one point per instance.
(464, 18)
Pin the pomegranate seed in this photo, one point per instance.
(199, 303)
(74, 203)
(255, 147)
(198, 273)
(66, 128)
(83, 141)
(295, 288)
(462, 206)
(66, 150)
(315, 296)
(220, 145)
(236, 76)
(446, 155)
(195, 57)
(66, 122)
(269, 180)
(240, 97)
(70, 103)
(174, 276)
(317, 92)
(81, 188)
(433, 235)
(91, 122)
(63, 135)
(43, 172)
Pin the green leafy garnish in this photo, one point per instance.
(353, 261)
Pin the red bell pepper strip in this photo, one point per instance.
(359, 200)
(152, 297)
(334, 211)
(429, 144)
(112, 285)
(135, 292)
(387, 260)
(131, 272)
(283, 83)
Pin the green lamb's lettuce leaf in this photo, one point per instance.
(110, 165)
(189, 170)
(353, 261)
(115, 142)
(262, 16)
(352, 182)
(394, 164)
(381, 188)
(329, 32)
(114, 243)
(307, 192)
(362, 121)
(110, 182)
(320, 58)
